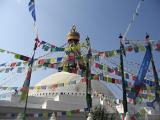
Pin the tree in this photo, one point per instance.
(99, 113)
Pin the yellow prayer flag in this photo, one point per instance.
(52, 60)
(25, 62)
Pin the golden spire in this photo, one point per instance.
(73, 34)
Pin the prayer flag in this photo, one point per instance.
(142, 73)
(31, 6)
(25, 88)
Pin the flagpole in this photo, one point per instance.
(88, 72)
(25, 88)
(28, 77)
(125, 107)
(26, 101)
(154, 71)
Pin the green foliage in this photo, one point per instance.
(99, 113)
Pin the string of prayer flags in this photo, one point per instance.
(117, 81)
(53, 86)
(13, 64)
(108, 79)
(47, 46)
(45, 62)
(42, 115)
(136, 48)
(58, 60)
(57, 49)
(116, 71)
(22, 57)
(19, 69)
(16, 55)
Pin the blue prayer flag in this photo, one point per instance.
(139, 83)
(144, 67)
(59, 59)
(31, 6)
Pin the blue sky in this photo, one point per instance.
(101, 20)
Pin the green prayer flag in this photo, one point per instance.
(78, 57)
(101, 67)
(61, 49)
(45, 47)
(109, 80)
(17, 56)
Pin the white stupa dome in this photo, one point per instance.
(69, 93)
(60, 77)
(69, 83)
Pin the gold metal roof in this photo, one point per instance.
(73, 34)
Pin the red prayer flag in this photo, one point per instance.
(71, 57)
(13, 64)
(41, 61)
(113, 80)
(158, 45)
(130, 48)
(97, 65)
